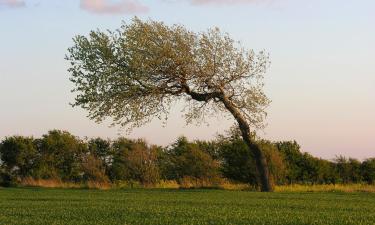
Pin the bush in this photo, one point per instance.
(93, 169)
(18, 156)
(61, 156)
(186, 159)
(238, 162)
(7, 180)
(135, 160)
(368, 170)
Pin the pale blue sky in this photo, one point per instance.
(321, 81)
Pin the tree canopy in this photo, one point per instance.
(139, 71)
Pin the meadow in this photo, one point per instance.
(196, 206)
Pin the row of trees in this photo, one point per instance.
(60, 155)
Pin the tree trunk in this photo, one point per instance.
(260, 160)
(261, 164)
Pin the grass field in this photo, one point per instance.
(77, 206)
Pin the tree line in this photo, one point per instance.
(63, 156)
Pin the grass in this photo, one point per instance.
(327, 188)
(164, 206)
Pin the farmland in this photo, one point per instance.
(156, 206)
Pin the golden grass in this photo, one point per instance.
(326, 188)
(227, 185)
(98, 185)
(48, 183)
(167, 184)
(188, 182)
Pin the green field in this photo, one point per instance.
(69, 206)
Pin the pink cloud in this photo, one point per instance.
(108, 7)
(227, 2)
(12, 3)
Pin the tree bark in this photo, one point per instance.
(260, 159)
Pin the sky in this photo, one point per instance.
(321, 80)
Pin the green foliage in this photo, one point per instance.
(368, 170)
(93, 169)
(134, 160)
(348, 170)
(140, 206)
(61, 155)
(19, 156)
(137, 72)
(276, 162)
(238, 162)
(188, 160)
(100, 148)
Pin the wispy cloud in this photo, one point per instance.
(109, 7)
(224, 2)
(12, 3)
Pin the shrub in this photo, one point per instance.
(186, 159)
(368, 170)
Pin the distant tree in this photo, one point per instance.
(143, 164)
(99, 147)
(119, 169)
(188, 160)
(93, 169)
(348, 169)
(276, 164)
(325, 172)
(61, 155)
(18, 156)
(368, 170)
(135, 160)
(139, 71)
(102, 150)
(293, 158)
(209, 147)
(302, 167)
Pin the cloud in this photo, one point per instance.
(109, 7)
(222, 2)
(12, 3)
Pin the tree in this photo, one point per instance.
(136, 161)
(101, 149)
(348, 169)
(188, 160)
(93, 169)
(61, 155)
(139, 71)
(18, 154)
(368, 170)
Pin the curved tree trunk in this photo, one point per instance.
(260, 160)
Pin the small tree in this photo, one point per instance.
(18, 156)
(136, 161)
(188, 160)
(139, 71)
(368, 170)
(61, 155)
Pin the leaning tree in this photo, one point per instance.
(141, 70)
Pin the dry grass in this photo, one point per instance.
(167, 184)
(192, 182)
(228, 185)
(48, 183)
(326, 188)
(98, 185)
(188, 182)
